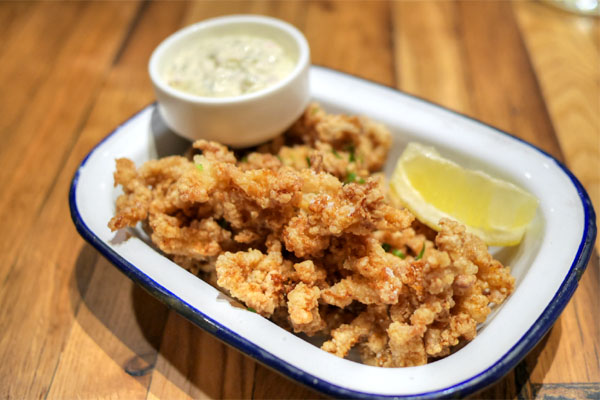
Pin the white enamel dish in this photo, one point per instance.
(547, 264)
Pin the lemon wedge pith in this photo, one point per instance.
(433, 187)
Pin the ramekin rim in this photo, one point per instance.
(285, 27)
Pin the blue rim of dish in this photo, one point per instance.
(475, 383)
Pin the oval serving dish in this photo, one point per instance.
(547, 265)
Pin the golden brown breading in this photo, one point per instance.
(303, 308)
(132, 206)
(367, 141)
(469, 255)
(310, 274)
(254, 278)
(214, 151)
(301, 231)
(440, 301)
(259, 161)
(196, 239)
(338, 209)
(406, 345)
(346, 336)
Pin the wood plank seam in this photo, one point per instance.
(38, 81)
(538, 87)
(130, 29)
(462, 48)
(93, 262)
(85, 115)
(154, 363)
(75, 312)
(580, 332)
(53, 371)
(88, 110)
(11, 270)
(391, 29)
(74, 139)
(522, 382)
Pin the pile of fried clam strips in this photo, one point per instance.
(301, 231)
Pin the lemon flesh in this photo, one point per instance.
(433, 187)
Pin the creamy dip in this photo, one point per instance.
(226, 66)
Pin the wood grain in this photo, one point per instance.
(503, 94)
(336, 29)
(566, 56)
(37, 262)
(428, 47)
(73, 326)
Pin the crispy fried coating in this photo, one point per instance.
(254, 278)
(132, 206)
(360, 139)
(300, 231)
(196, 239)
(406, 345)
(347, 335)
(444, 295)
(303, 308)
(333, 210)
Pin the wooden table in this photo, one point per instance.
(73, 326)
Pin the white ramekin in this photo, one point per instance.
(238, 121)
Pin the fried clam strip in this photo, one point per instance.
(440, 302)
(184, 201)
(169, 193)
(347, 335)
(358, 139)
(330, 209)
(375, 276)
(255, 278)
(303, 308)
(303, 299)
(324, 158)
(481, 279)
(355, 210)
(259, 161)
(349, 148)
(260, 200)
(132, 205)
(253, 201)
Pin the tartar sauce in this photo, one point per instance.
(230, 65)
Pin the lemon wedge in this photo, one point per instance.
(433, 187)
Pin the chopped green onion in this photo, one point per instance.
(308, 161)
(335, 153)
(199, 167)
(251, 309)
(417, 258)
(350, 149)
(398, 253)
(279, 158)
(388, 248)
(314, 110)
(244, 159)
(351, 177)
